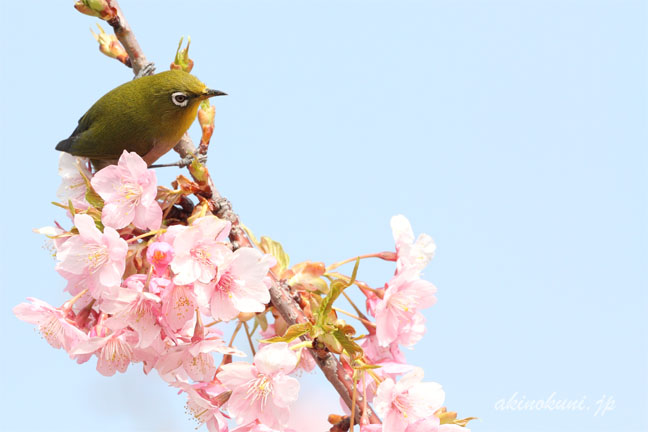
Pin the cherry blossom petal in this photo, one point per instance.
(222, 307)
(236, 374)
(149, 217)
(274, 358)
(286, 389)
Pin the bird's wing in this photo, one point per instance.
(84, 141)
(71, 144)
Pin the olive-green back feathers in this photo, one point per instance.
(136, 116)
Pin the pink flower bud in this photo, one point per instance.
(206, 119)
(160, 255)
(110, 46)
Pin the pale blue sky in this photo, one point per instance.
(513, 132)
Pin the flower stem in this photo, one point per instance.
(68, 304)
(304, 344)
(353, 305)
(146, 234)
(249, 337)
(212, 323)
(363, 286)
(353, 399)
(227, 358)
(364, 321)
(388, 256)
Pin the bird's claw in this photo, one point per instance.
(187, 160)
(223, 205)
(148, 69)
(184, 162)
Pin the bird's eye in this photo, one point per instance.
(180, 99)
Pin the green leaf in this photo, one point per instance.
(331, 343)
(355, 271)
(94, 199)
(198, 170)
(349, 346)
(292, 333)
(367, 367)
(275, 249)
(71, 208)
(336, 288)
(91, 195)
(316, 331)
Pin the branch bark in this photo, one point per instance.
(280, 292)
(127, 38)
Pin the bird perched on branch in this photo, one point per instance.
(147, 116)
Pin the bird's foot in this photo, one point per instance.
(187, 160)
(184, 162)
(149, 69)
(222, 205)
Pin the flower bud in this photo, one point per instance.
(335, 418)
(246, 316)
(206, 119)
(97, 8)
(110, 46)
(182, 60)
(159, 255)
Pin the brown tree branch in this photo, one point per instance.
(127, 38)
(280, 292)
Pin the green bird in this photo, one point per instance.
(147, 115)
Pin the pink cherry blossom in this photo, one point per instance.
(431, 424)
(95, 260)
(128, 190)
(114, 352)
(262, 390)
(240, 286)
(260, 427)
(156, 285)
(179, 306)
(55, 234)
(406, 293)
(195, 359)
(306, 361)
(51, 322)
(410, 254)
(199, 250)
(449, 428)
(136, 309)
(412, 331)
(73, 186)
(204, 406)
(408, 401)
(150, 355)
(390, 358)
(198, 361)
(159, 254)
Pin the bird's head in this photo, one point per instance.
(180, 91)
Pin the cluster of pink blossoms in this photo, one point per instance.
(150, 293)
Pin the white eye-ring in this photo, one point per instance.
(180, 99)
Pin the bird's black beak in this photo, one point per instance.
(210, 93)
